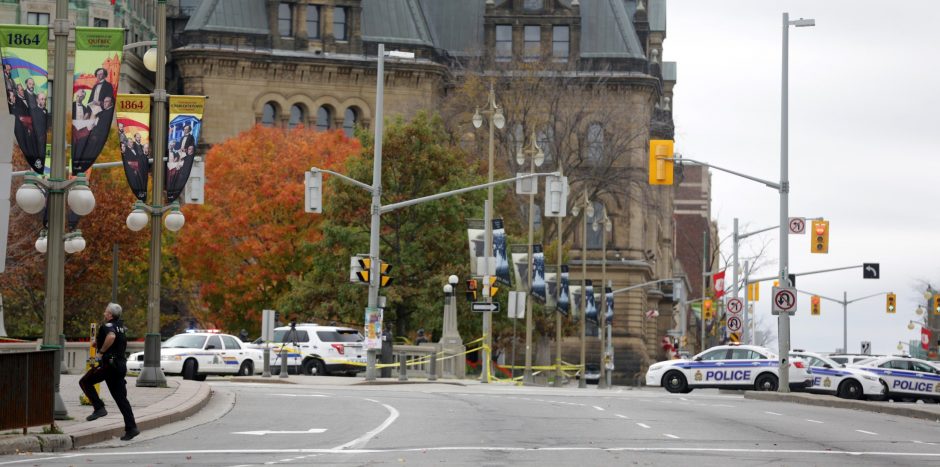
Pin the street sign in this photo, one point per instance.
(866, 347)
(871, 270)
(734, 338)
(784, 300)
(797, 225)
(734, 324)
(735, 306)
(484, 307)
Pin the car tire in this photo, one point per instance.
(766, 382)
(247, 368)
(190, 367)
(321, 368)
(850, 389)
(675, 382)
(309, 367)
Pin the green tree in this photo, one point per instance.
(424, 243)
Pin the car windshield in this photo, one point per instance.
(863, 361)
(184, 341)
(340, 335)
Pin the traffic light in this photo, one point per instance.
(366, 264)
(556, 196)
(776, 283)
(313, 191)
(814, 308)
(753, 292)
(707, 310)
(820, 236)
(660, 171)
(891, 305)
(471, 290)
(935, 304)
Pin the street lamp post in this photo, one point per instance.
(536, 159)
(494, 114)
(588, 213)
(783, 319)
(605, 226)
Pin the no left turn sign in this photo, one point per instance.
(784, 300)
(797, 225)
(734, 306)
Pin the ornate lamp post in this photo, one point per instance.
(494, 114)
(536, 159)
(588, 207)
(605, 224)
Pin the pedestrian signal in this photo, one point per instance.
(814, 305)
(820, 236)
(891, 305)
(366, 264)
(660, 169)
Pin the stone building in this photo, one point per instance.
(313, 62)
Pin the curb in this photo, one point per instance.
(21, 444)
(178, 406)
(392, 383)
(876, 407)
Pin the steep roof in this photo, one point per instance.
(236, 16)
(398, 21)
(607, 30)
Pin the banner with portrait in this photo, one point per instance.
(476, 234)
(564, 295)
(25, 58)
(133, 122)
(551, 287)
(538, 273)
(590, 305)
(94, 91)
(520, 261)
(183, 135)
(609, 305)
(373, 328)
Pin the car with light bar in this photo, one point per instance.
(313, 349)
(727, 367)
(909, 379)
(831, 377)
(197, 354)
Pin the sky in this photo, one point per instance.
(864, 110)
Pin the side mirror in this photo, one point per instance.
(210, 347)
(826, 365)
(698, 359)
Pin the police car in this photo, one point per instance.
(726, 367)
(197, 354)
(908, 378)
(833, 378)
(312, 349)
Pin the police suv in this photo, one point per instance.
(318, 350)
(197, 354)
(833, 378)
(908, 378)
(726, 367)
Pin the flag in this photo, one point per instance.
(719, 279)
(925, 338)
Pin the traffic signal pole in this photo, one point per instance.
(845, 302)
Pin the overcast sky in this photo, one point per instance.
(864, 103)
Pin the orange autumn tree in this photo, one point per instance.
(243, 245)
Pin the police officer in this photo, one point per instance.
(111, 343)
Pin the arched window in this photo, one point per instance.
(323, 118)
(269, 114)
(350, 120)
(297, 115)
(595, 142)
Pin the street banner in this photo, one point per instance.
(590, 312)
(25, 58)
(551, 287)
(719, 278)
(538, 273)
(575, 303)
(925, 335)
(609, 294)
(476, 236)
(520, 259)
(133, 122)
(373, 330)
(94, 89)
(183, 133)
(564, 295)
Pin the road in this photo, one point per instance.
(423, 424)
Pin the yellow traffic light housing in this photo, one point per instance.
(820, 237)
(660, 169)
(492, 287)
(815, 306)
(366, 264)
(753, 292)
(935, 304)
(707, 311)
(891, 303)
(471, 290)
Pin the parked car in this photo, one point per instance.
(831, 377)
(727, 367)
(592, 373)
(908, 378)
(194, 355)
(312, 349)
(850, 358)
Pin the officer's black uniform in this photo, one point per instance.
(112, 370)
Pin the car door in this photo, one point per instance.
(233, 355)
(743, 367)
(825, 377)
(896, 372)
(705, 371)
(211, 359)
(927, 379)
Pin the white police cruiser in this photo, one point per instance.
(313, 349)
(726, 367)
(197, 354)
(908, 378)
(831, 377)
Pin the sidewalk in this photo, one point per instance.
(153, 407)
(929, 412)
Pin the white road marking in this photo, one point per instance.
(867, 432)
(271, 432)
(671, 436)
(682, 398)
(622, 416)
(598, 408)
(813, 421)
(300, 395)
(773, 413)
(643, 425)
(722, 405)
(362, 440)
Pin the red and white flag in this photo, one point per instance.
(925, 338)
(719, 279)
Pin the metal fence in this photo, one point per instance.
(27, 396)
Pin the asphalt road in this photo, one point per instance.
(490, 425)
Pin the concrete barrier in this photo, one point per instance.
(921, 411)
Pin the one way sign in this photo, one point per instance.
(871, 271)
(485, 307)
